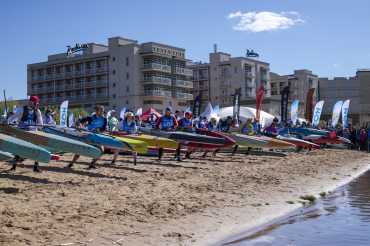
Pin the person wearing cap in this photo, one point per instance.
(177, 114)
(151, 121)
(256, 126)
(112, 121)
(246, 128)
(167, 120)
(30, 116)
(186, 121)
(96, 123)
(128, 124)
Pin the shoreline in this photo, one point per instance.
(197, 202)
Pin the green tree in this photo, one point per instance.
(10, 102)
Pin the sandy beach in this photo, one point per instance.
(197, 202)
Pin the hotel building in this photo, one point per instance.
(357, 89)
(120, 74)
(218, 80)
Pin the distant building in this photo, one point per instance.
(357, 89)
(121, 74)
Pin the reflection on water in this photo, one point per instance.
(341, 218)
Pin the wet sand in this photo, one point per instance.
(197, 202)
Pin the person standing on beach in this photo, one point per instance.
(186, 121)
(167, 122)
(126, 125)
(245, 129)
(363, 140)
(112, 121)
(96, 123)
(256, 126)
(30, 116)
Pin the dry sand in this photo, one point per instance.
(198, 202)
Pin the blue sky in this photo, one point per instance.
(330, 38)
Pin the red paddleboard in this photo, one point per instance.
(54, 157)
(228, 141)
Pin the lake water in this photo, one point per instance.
(340, 218)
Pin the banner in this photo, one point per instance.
(236, 105)
(216, 110)
(284, 104)
(63, 113)
(122, 113)
(139, 112)
(70, 120)
(294, 111)
(309, 104)
(344, 113)
(196, 106)
(336, 113)
(259, 102)
(187, 110)
(6, 110)
(317, 113)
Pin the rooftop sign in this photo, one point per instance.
(78, 49)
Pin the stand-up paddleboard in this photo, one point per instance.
(228, 141)
(54, 151)
(308, 131)
(273, 143)
(183, 136)
(299, 142)
(152, 141)
(338, 146)
(54, 157)
(255, 152)
(22, 148)
(328, 141)
(97, 139)
(52, 141)
(4, 156)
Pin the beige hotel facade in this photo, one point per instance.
(121, 74)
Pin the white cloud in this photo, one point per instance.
(264, 21)
(335, 65)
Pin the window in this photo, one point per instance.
(330, 85)
(127, 88)
(127, 102)
(331, 100)
(114, 84)
(195, 74)
(360, 84)
(173, 53)
(235, 81)
(360, 92)
(157, 49)
(114, 106)
(170, 103)
(153, 49)
(160, 111)
(169, 52)
(88, 105)
(360, 99)
(113, 59)
(331, 93)
(127, 61)
(346, 93)
(165, 51)
(161, 50)
(114, 71)
(235, 69)
(127, 75)
(345, 84)
(114, 95)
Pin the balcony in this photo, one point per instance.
(311, 86)
(250, 84)
(293, 94)
(226, 104)
(156, 93)
(223, 94)
(204, 86)
(181, 95)
(274, 88)
(155, 80)
(196, 87)
(293, 86)
(250, 94)
(155, 66)
(204, 76)
(224, 84)
(249, 74)
(282, 87)
(267, 95)
(265, 76)
(183, 71)
(75, 98)
(205, 96)
(68, 74)
(224, 75)
(183, 83)
(266, 87)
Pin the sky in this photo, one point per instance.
(330, 38)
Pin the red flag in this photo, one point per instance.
(259, 102)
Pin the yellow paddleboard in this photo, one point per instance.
(153, 141)
(135, 145)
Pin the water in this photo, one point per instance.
(341, 218)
